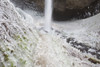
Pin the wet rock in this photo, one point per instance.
(83, 47)
(71, 4)
(64, 9)
(77, 13)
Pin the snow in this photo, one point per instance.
(22, 44)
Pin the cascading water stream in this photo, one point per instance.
(48, 15)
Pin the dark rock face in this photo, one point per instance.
(64, 9)
(71, 4)
(77, 13)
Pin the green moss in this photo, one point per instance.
(20, 45)
(25, 48)
(5, 57)
(2, 65)
(22, 61)
(24, 32)
(24, 37)
(20, 38)
(1, 50)
(7, 49)
(12, 64)
(17, 37)
(94, 61)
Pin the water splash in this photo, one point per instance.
(48, 15)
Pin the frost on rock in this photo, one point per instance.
(23, 45)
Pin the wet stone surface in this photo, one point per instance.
(63, 9)
(78, 45)
(83, 48)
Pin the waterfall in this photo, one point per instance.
(48, 15)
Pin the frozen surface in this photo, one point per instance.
(23, 44)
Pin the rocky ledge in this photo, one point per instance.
(64, 9)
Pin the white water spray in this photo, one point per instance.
(48, 15)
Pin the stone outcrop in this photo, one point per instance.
(63, 4)
(75, 10)
(64, 9)
(71, 4)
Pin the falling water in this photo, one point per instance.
(48, 15)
